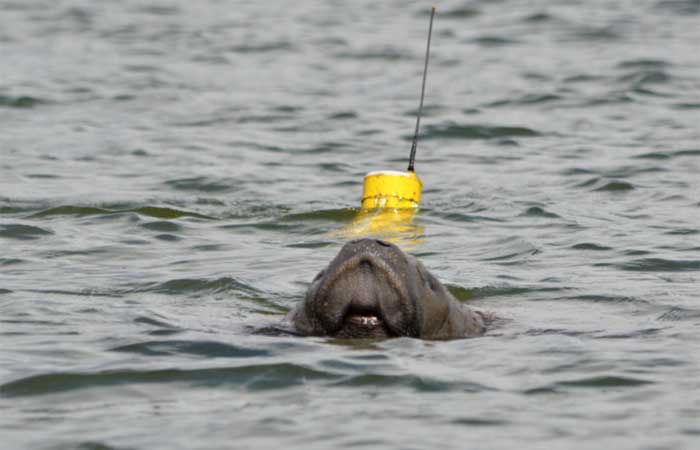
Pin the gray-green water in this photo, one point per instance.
(173, 173)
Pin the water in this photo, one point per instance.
(172, 174)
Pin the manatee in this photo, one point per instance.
(372, 289)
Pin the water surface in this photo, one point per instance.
(173, 174)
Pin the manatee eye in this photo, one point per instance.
(429, 280)
(432, 283)
(318, 275)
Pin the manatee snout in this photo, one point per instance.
(360, 294)
(372, 289)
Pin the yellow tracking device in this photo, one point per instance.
(390, 198)
(391, 189)
(398, 190)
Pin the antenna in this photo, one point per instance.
(412, 158)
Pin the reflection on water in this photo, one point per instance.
(393, 225)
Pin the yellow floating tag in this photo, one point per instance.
(391, 189)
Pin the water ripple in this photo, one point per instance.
(458, 13)
(465, 294)
(202, 184)
(615, 186)
(493, 41)
(252, 377)
(150, 211)
(605, 185)
(605, 381)
(198, 286)
(279, 46)
(590, 246)
(643, 63)
(162, 225)
(456, 131)
(383, 54)
(22, 232)
(537, 211)
(205, 349)
(608, 299)
(680, 7)
(414, 382)
(677, 313)
(660, 265)
(525, 100)
(23, 101)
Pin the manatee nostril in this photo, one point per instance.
(382, 243)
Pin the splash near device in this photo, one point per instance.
(393, 189)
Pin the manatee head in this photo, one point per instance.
(372, 289)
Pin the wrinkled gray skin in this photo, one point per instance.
(374, 290)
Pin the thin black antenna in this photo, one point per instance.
(412, 159)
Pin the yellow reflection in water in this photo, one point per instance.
(392, 225)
